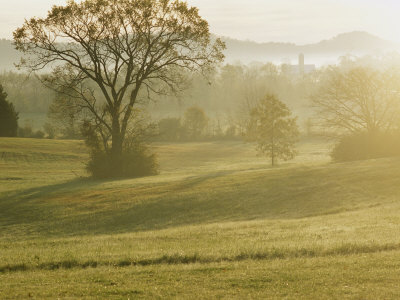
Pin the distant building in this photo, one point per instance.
(299, 69)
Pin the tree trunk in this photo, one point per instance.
(273, 156)
(273, 144)
(116, 146)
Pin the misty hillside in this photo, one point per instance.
(324, 52)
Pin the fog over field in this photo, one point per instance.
(159, 149)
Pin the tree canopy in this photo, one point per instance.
(273, 128)
(360, 99)
(109, 55)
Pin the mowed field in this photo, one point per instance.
(218, 222)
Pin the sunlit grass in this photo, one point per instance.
(217, 222)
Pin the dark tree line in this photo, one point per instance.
(8, 116)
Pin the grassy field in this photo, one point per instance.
(217, 222)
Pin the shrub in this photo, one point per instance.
(28, 132)
(50, 130)
(137, 162)
(363, 146)
(136, 159)
(38, 134)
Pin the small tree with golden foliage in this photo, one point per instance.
(273, 128)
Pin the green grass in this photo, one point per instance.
(218, 222)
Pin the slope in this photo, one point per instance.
(217, 222)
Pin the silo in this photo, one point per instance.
(301, 64)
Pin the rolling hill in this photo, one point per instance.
(326, 51)
(217, 222)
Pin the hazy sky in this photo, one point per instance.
(299, 21)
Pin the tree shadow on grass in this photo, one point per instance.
(302, 193)
(164, 208)
(193, 201)
(47, 190)
(29, 205)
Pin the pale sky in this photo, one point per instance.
(298, 21)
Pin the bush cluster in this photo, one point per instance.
(27, 132)
(361, 146)
(136, 159)
(137, 162)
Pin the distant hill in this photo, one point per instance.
(326, 51)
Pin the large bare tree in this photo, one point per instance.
(106, 54)
(361, 99)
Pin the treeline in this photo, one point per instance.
(356, 103)
(223, 92)
(237, 87)
(225, 97)
(195, 125)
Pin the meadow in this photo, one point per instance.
(218, 222)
